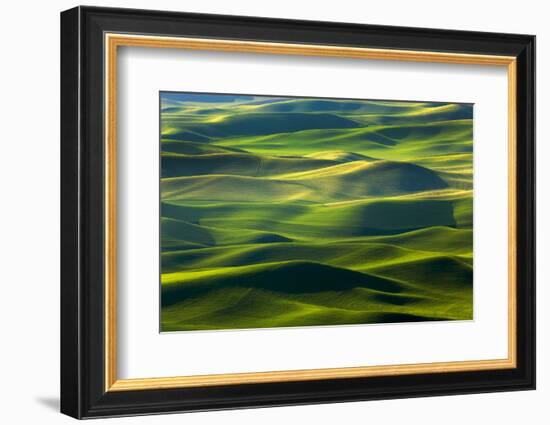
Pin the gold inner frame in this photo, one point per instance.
(113, 41)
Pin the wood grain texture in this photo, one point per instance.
(115, 40)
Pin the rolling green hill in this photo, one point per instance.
(299, 211)
(236, 163)
(288, 293)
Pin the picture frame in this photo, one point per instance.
(91, 38)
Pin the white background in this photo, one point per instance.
(29, 172)
(144, 72)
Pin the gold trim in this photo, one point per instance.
(110, 214)
(113, 41)
(512, 212)
(305, 375)
(303, 49)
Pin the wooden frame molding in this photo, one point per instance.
(111, 43)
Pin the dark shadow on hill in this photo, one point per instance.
(293, 277)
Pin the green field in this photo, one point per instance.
(301, 212)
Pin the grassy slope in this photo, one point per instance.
(294, 212)
(286, 293)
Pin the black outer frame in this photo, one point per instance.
(82, 206)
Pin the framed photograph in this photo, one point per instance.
(261, 212)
